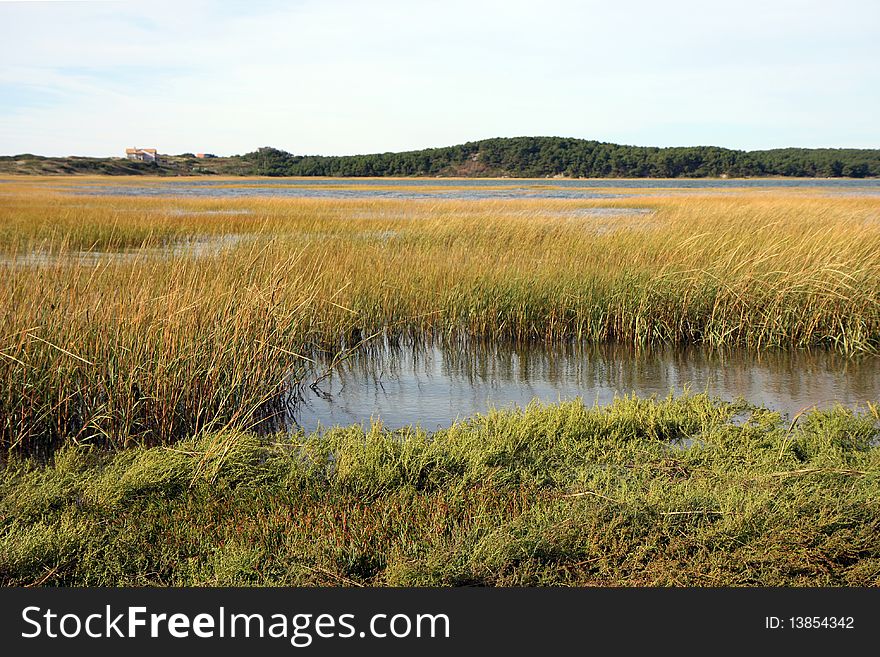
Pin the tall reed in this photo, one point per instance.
(123, 323)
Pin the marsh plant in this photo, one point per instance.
(683, 491)
(148, 346)
(121, 327)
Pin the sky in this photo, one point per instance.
(337, 77)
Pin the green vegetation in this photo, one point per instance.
(529, 157)
(684, 491)
(538, 157)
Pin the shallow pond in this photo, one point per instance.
(433, 386)
(458, 189)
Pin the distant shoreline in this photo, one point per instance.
(544, 180)
(544, 158)
(243, 177)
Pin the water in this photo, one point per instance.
(455, 189)
(433, 386)
(198, 246)
(246, 191)
(631, 183)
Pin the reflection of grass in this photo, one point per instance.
(150, 350)
(559, 494)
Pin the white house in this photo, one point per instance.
(142, 154)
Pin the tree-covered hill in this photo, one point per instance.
(526, 157)
(530, 157)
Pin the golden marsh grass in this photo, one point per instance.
(154, 346)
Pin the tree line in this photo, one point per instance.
(517, 157)
(537, 157)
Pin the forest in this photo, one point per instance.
(538, 157)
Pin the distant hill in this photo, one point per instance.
(516, 157)
(171, 165)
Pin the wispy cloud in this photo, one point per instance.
(343, 76)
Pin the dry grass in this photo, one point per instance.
(150, 348)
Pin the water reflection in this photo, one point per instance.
(432, 386)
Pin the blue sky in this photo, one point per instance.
(340, 76)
